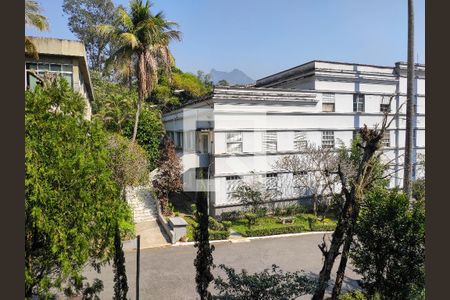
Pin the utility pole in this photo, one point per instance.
(409, 104)
(138, 254)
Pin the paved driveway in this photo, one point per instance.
(168, 273)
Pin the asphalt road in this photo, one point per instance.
(168, 273)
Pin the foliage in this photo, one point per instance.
(128, 162)
(86, 291)
(203, 262)
(418, 189)
(354, 295)
(151, 130)
(114, 103)
(120, 275)
(141, 44)
(295, 228)
(168, 177)
(389, 251)
(34, 18)
(213, 234)
(273, 284)
(223, 83)
(71, 199)
(253, 195)
(311, 170)
(232, 215)
(84, 15)
(251, 219)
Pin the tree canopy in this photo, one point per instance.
(71, 200)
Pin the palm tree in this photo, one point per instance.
(142, 39)
(33, 18)
(409, 103)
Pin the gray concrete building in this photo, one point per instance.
(66, 58)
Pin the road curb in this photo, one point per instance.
(249, 239)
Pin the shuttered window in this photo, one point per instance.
(327, 139)
(300, 141)
(270, 141)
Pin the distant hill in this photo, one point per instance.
(234, 77)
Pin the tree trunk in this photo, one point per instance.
(344, 256)
(314, 196)
(142, 88)
(409, 104)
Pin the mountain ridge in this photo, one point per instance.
(234, 77)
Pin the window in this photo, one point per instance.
(41, 68)
(272, 181)
(386, 140)
(358, 102)
(203, 142)
(385, 106)
(328, 102)
(234, 142)
(327, 139)
(270, 141)
(232, 184)
(300, 141)
(189, 141)
(179, 140)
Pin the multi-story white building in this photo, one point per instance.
(239, 133)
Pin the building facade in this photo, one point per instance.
(64, 58)
(240, 133)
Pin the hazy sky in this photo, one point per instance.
(262, 37)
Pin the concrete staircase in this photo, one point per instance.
(141, 203)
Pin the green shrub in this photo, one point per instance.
(218, 235)
(226, 225)
(261, 212)
(251, 219)
(278, 211)
(215, 225)
(231, 215)
(353, 295)
(275, 231)
(318, 226)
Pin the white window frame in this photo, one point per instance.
(328, 139)
(234, 138)
(328, 100)
(270, 141)
(386, 140)
(359, 102)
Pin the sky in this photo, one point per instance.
(262, 37)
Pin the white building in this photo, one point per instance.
(239, 133)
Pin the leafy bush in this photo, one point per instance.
(270, 285)
(251, 219)
(232, 215)
(261, 212)
(149, 134)
(389, 251)
(218, 235)
(275, 231)
(226, 224)
(354, 295)
(319, 226)
(215, 225)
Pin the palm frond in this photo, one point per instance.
(33, 16)
(30, 48)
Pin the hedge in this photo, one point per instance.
(275, 231)
(323, 227)
(218, 235)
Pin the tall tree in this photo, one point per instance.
(168, 177)
(71, 200)
(203, 262)
(143, 39)
(409, 104)
(120, 274)
(34, 18)
(84, 15)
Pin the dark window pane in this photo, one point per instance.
(55, 67)
(67, 68)
(31, 66)
(43, 67)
